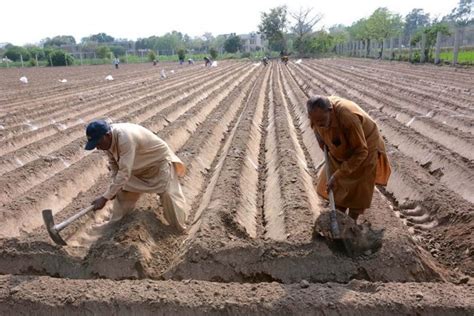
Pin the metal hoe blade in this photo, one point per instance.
(53, 233)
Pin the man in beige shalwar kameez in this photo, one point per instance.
(356, 152)
(140, 162)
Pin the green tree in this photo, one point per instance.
(15, 53)
(103, 52)
(462, 15)
(151, 55)
(232, 44)
(415, 20)
(207, 38)
(218, 42)
(117, 50)
(181, 54)
(213, 52)
(36, 52)
(59, 58)
(321, 42)
(59, 40)
(383, 24)
(98, 38)
(431, 33)
(339, 34)
(359, 30)
(273, 26)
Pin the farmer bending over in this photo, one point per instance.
(140, 162)
(356, 152)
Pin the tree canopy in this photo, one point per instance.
(415, 20)
(273, 26)
(59, 40)
(232, 44)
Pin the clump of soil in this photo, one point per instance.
(354, 239)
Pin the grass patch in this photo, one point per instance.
(464, 57)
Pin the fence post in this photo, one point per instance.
(438, 48)
(50, 61)
(65, 58)
(400, 40)
(457, 42)
(410, 50)
(392, 53)
(423, 56)
(21, 58)
(382, 50)
(80, 56)
(36, 58)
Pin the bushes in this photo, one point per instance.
(14, 52)
(245, 55)
(181, 54)
(213, 52)
(103, 52)
(117, 50)
(151, 55)
(60, 58)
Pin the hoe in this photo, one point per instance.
(53, 230)
(340, 231)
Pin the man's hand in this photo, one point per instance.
(331, 184)
(99, 203)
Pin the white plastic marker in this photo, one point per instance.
(62, 80)
(109, 77)
(24, 79)
(298, 61)
(214, 64)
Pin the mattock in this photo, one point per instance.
(53, 230)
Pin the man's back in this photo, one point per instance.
(148, 148)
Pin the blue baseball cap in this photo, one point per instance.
(95, 131)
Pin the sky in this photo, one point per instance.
(29, 21)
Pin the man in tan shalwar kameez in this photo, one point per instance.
(356, 152)
(140, 162)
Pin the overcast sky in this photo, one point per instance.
(28, 21)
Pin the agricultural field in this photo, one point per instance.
(252, 162)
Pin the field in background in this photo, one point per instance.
(252, 160)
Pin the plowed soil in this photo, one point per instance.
(252, 162)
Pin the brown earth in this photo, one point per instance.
(252, 160)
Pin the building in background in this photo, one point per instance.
(251, 42)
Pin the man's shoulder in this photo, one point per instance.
(124, 126)
(132, 130)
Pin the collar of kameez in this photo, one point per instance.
(114, 139)
(335, 106)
